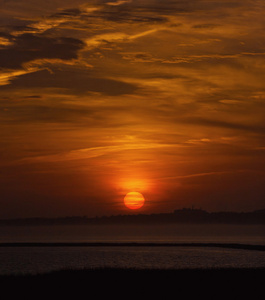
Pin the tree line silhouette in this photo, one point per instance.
(179, 216)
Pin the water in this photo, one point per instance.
(246, 234)
(39, 259)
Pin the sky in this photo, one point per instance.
(101, 98)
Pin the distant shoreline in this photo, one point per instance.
(179, 216)
(134, 244)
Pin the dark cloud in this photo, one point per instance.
(33, 97)
(206, 25)
(73, 82)
(36, 109)
(40, 112)
(175, 6)
(121, 14)
(68, 13)
(225, 124)
(28, 47)
(127, 12)
(6, 35)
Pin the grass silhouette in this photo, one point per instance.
(141, 283)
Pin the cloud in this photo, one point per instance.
(93, 152)
(48, 108)
(120, 37)
(216, 173)
(7, 76)
(28, 47)
(224, 124)
(119, 2)
(74, 82)
(231, 101)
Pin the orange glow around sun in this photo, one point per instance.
(134, 200)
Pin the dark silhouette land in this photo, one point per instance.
(140, 284)
(180, 216)
(135, 244)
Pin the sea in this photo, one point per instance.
(38, 259)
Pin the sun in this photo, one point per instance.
(134, 200)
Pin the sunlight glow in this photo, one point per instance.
(134, 200)
(133, 184)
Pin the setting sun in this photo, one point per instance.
(134, 200)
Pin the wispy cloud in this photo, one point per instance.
(92, 152)
(216, 173)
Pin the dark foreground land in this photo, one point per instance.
(138, 244)
(141, 284)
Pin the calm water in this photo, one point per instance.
(38, 259)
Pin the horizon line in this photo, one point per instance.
(133, 214)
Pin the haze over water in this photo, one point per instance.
(247, 234)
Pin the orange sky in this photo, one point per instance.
(100, 98)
